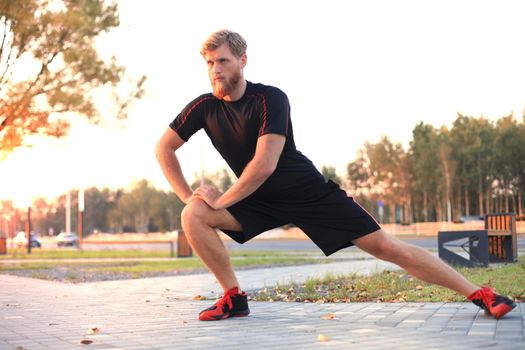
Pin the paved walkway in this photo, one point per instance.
(159, 313)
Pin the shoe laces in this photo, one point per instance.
(483, 297)
(227, 299)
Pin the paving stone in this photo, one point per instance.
(159, 314)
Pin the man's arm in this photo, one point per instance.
(165, 151)
(268, 150)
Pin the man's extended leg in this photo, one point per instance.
(199, 222)
(421, 264)
(417, 261)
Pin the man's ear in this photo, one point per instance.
(244, 60)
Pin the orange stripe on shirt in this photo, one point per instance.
(185, 116)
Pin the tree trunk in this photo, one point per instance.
(457, 205)
(425, 207)
(506, 196)
(520, 208)
(487, 202)
(438, 208)
(467, 203)
(392, 213)
(480, 199)
(448, 190)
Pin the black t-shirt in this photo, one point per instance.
(234, 127)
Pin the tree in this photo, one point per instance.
(426, 172)
(146, 209)
(98, 203)
(359, 175)
(390, 167)
(49, 66)
(329, 173)
(509, 146)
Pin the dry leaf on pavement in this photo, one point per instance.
(93, 330)
(85, 342)
(322, 337)
(329, 316)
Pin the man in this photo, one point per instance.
(249, 124)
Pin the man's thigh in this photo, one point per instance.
(221, 219)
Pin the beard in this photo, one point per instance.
(225, 87)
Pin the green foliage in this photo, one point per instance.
(49, 66)
(476, 167)
(329, 173)
(142, 208)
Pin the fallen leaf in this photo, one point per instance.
(419, 287)
(198, 297)
(322, 337)
(328, 316)
(85, 342)
(93, 330)
(184, 322)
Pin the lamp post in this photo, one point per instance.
(28, 229)
(25, 202)
(80, 212)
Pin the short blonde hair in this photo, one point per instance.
(235, 42)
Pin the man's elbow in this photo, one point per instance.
(267, 170)
(161, 149)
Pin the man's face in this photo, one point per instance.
(224, 70)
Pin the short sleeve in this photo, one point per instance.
(275, 112)
(191, 118)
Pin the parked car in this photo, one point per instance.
(21, 240)
(66, 239)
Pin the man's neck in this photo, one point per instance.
(238, 93)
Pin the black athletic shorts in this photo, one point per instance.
(330, 218)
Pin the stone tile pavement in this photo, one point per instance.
(159, 313)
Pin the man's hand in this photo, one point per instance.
(210, 195)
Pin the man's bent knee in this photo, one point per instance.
(195, 211)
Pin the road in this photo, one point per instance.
(260, 244)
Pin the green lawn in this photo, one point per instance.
(81, 271)
(396, 286)
(71, 253)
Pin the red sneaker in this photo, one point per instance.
(232, 304)
(493, 304)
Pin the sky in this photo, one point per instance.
(354, 71)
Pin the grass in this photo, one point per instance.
(395, 286)
(82, 271)
(71, 253)
(84, 254)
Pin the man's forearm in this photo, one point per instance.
(253, 176)
(171, 168)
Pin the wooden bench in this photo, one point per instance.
(498, 242)
(502, 237)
